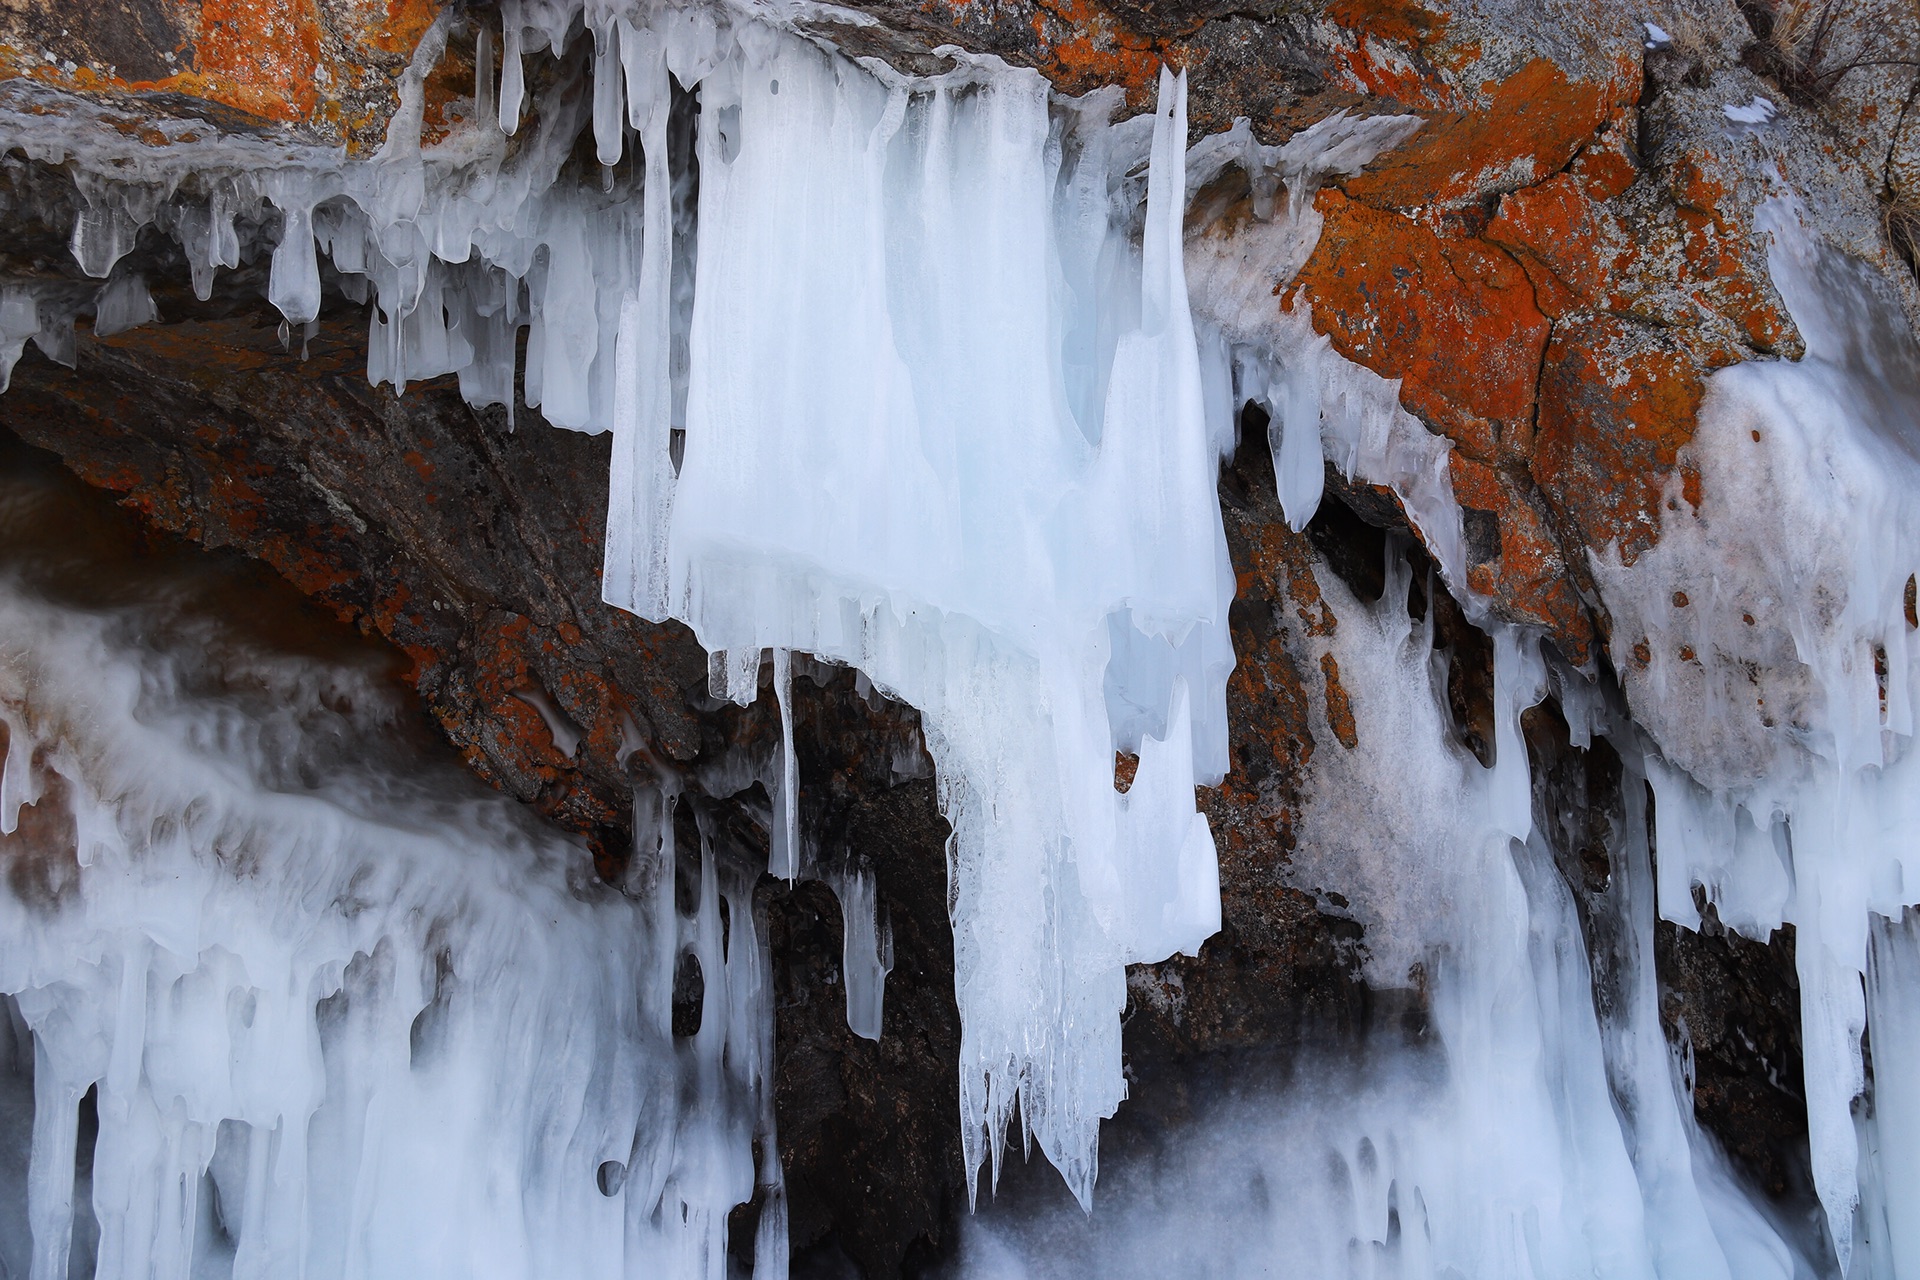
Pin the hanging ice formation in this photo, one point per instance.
(1534, 1126)
(328, 1020)
(1773, 687)
(987, 484)
(898, 390)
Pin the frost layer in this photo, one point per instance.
(335, 1018)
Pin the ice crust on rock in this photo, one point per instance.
(335, 1018)
(1779, 676)
(1551, 1098)
(1321, 406)
(1757, 112)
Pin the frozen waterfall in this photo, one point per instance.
(904, 374)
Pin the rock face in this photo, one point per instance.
(1549, 268)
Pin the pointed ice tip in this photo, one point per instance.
(1080, 1176)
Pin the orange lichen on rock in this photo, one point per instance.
(262, 56)
(1086, 47)
(1617, 403)
(1402, 21)
(1451, 315)
(329, 65)
(1718, 253)
(389, 26)
(1532, 126)
(1514, 557)
(1552, 313)
(1572, 248)
(1339, 705)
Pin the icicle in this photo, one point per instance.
(484, 110)
(56, 1123)
(102, 232)
(1893, 1011)
(866, 952)
(1293, 433)
(640, 483)
(122, 304)
(1519, 681)
(294, 286)
(1832, 1015)
(609, 85)
(787, 837)
(19, 321)
(20, 783)
(512, 82)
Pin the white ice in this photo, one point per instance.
(1758, 111)
(339, 1013)
(1522, 1132)
(932, 406)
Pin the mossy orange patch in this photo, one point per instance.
(1452, 316)
(1532, 125)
